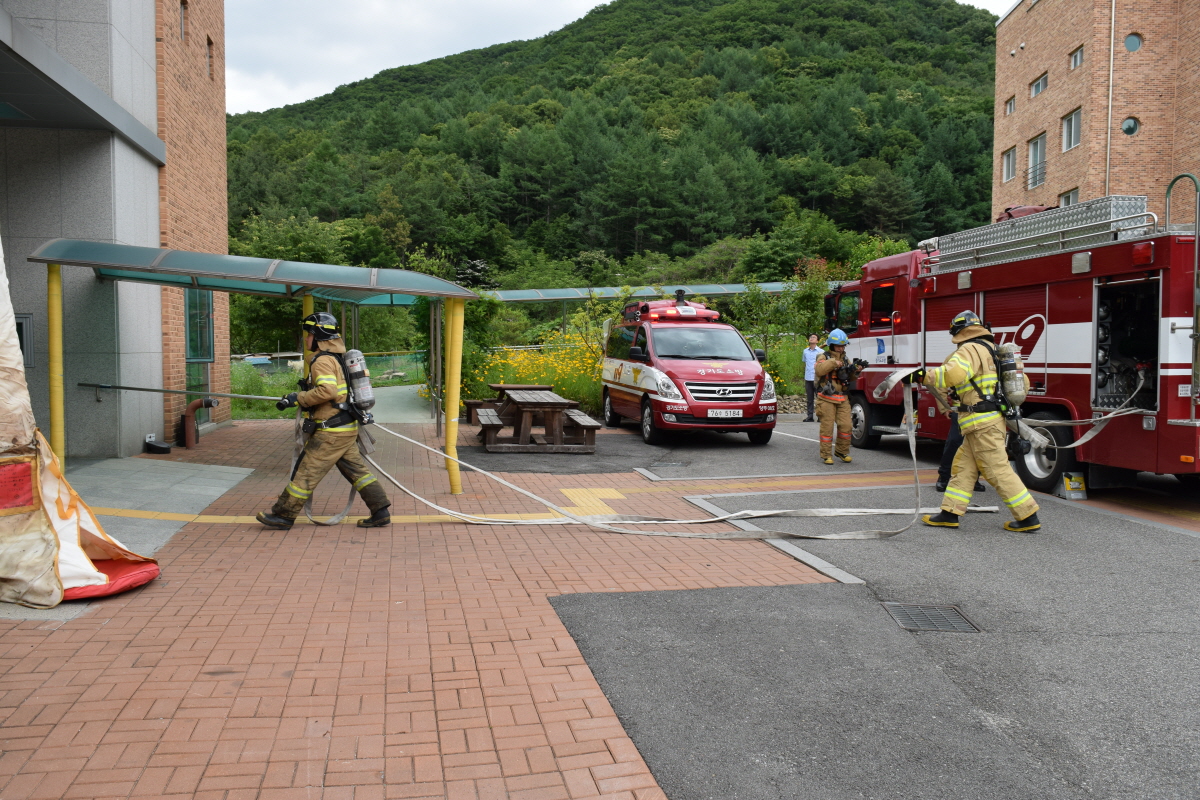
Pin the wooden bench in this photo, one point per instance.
(491, 425)
(474, 406)
(579, 428)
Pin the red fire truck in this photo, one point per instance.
(1091, 294)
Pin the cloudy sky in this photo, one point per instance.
(285, 51)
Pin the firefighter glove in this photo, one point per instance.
(287, 401)
(916, 377)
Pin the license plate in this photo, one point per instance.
(724, 412)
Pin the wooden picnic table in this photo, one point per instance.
(566, 429)
(501, 389)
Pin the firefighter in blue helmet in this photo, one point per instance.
(971, 372)
(834, 373)
(334, 428)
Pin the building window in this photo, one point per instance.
(1036, 173)
(1133, 42)
(1039, 86)
(183, 20)
(1130, 126)
(1077, 58)
(1010, 105)
(1008, 164)
(1068, 198)
(25, 337)
(209, 56)
(1070, 128)
(199, 307)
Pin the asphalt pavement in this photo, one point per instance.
(794, 449)
(778, 693)
(1084, 674)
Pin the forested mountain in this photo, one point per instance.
(649, 140)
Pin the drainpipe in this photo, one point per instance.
(189, 419)
(1112, 54)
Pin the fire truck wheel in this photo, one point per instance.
(860, 423)
(759, 437)
(650, 433)
(611, 418)
(1043, 472)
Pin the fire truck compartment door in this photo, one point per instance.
(1019, 316)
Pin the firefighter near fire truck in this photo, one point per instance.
(986, 399)
(337, 397)
(835, 375)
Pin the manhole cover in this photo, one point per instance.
(913, 617)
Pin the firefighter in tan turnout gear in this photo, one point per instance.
(834, 372)
(334, 428)
(971, 372)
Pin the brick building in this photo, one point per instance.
(112, 129)
(1066, 132)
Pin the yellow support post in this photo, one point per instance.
(58, 417)
(455, 308)
(306, 308)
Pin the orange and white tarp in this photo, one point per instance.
(52, 547)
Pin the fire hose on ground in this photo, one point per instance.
(609, 522)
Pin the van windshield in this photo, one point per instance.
(722, 344)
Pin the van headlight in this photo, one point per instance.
(667, 389)
(768, 392)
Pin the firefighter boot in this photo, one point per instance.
(942, 519)
(378, 519)
(270, 519)
(827, 459)
(1030, 524)
(845, 458)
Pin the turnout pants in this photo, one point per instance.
(323, 451)
(835, 414)
(982, 453)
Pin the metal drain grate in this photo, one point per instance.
(914, 617)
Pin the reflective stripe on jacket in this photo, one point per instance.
(970, 362)
(328, 385)
(828, 386)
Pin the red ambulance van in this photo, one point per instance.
(673, 366)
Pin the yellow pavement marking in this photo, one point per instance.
(590, 501)
(219, 519)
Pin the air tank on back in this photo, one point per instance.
(359, 379)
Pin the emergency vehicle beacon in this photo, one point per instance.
(673, 367)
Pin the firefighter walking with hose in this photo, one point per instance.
(334, 426)
(972, 372)
(834, 375)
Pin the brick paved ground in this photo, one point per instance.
(418, 661)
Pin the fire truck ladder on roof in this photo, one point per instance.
(1195, 326)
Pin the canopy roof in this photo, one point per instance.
(262, 276)
(645, 292)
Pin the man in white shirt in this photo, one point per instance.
(810, 376)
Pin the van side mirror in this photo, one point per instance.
(637, 354)
(761, 355)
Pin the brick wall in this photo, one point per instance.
(192, 193)
(1152, 85)
(1187, 111)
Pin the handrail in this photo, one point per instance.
(1149, 219)
(1195, 334)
